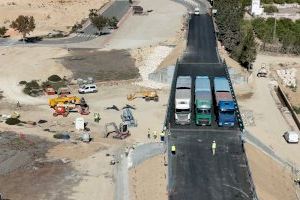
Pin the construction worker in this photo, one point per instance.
(97, 117)
(173, 149)
(154, 135)
(162, 136)
(213, 147)
(148, 134)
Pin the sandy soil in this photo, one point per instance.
(48, 14)
(36, 63)
(149, 180)
(272, 181)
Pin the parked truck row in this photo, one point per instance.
(206, 96)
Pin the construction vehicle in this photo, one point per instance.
(119, 133)
(262, 72)
(65, 108)
(183, 100)
(127, 117)
(63, 100)
(147, 95)
(224, 102)
(203, 101)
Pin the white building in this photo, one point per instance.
(256, 9)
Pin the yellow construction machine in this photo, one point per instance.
(63, 100)
(147, 95)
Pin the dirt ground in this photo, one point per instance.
(149, 180)
(25, 169)
(48, 14)
(101, 65)
(272, 180)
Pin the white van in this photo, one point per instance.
(89, 88)
(197, 11)
(291, 136)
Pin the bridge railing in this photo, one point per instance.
(242, 129)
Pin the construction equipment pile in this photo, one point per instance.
(288, 77)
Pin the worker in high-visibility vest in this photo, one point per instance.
(173, 149)
(162, 136)
(213, 147)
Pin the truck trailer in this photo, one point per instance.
(224, 102)
(183, 100)
(203, 101)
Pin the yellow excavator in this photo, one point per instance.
(147, 95)
(63, 100)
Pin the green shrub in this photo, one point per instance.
(54, 78)
(296, 109)
(32, 88)
(22, 82)
(270, 9)
(12, 121)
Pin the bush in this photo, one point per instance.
(12, 121)
(22, 82)
(270, 9)
(54, 78)
(75, 27)
(32, 88)
(296, 109)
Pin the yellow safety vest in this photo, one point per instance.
(214, 145)
(173, 148)
(162, 134)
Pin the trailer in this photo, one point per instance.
(203, 101)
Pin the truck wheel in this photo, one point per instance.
(147, 99)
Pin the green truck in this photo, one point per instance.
(203, 101)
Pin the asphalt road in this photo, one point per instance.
(117, 9)
(194, 173)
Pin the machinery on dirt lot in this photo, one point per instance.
(65, 108)
(127, 117)
(147, 95)
(63, 100)
(262, 72)
(119, 133)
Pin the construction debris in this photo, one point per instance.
(64, 136)
(248, 118)
(114, 107)
(288, 77)
(129, 106)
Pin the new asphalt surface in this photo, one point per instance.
(194, 172)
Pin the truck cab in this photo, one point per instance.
(183, 100)
(226, 113)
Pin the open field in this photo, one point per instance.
(48, 14)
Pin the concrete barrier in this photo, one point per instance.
(289, 106)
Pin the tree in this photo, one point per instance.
(248, 53)
(24, 24)
(3, 30)
(113, 22)
(99, 22)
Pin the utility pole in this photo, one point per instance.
(274, 31)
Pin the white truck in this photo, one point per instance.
(183, 100)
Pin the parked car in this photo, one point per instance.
(197, 11)
(291, 136)
(89, 88)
